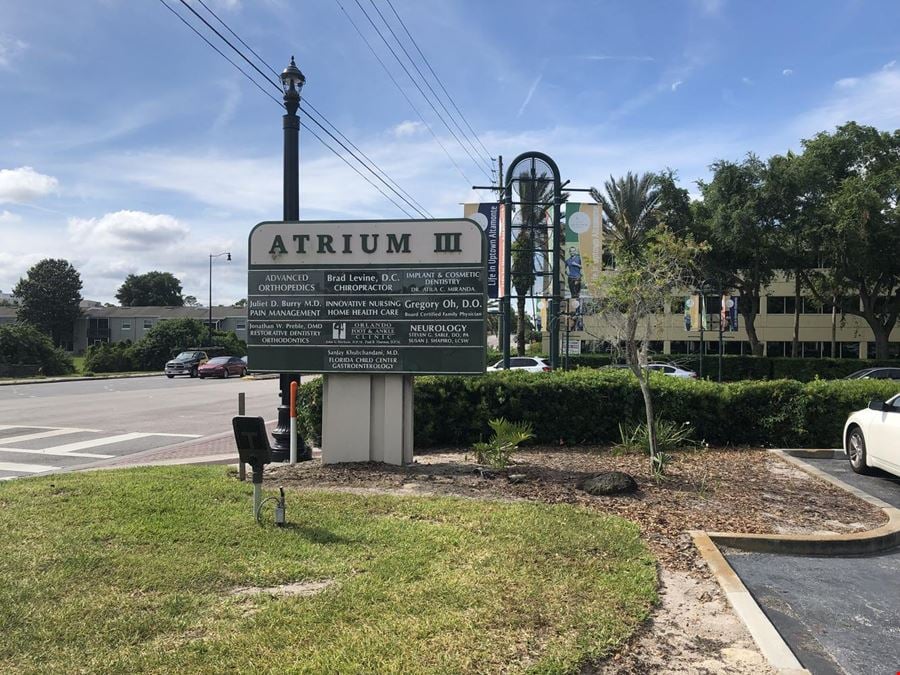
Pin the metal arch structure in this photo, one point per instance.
(527, 162)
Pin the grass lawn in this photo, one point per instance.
(135, 571)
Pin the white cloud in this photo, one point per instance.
(608, 57)
(25, 185)
(9, 218)
(889, 65)
(710, 6)
(128, 230)
(747, 81)
(676, 84)
(531, 90)
(869, 99)
(846, 82)
(10, 49)
(408, 128)
(787, 72)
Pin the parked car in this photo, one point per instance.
(186, 363)
(872, 437)
(671, 369)
(223, 366)
(875, 374)
(532, 364)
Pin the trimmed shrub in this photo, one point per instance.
(111, 358)
(23, 344)
(586, 407)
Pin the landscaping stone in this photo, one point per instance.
(516, 478)
(610, 483)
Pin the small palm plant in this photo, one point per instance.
(505, 441)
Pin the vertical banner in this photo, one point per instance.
(728, 315)
(695, 315)
(582, 256)
(488, 217)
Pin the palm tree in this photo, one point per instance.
(536, 199)
(630, 207)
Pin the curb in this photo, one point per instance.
(764, 634)
(883, 538)
(57, 380)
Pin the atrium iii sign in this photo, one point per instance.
(367, 297)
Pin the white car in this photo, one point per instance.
(671, 369)
(532, 364)
(872, 437)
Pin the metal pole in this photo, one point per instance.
(209, 325)
(701, 313)
(557, 257)
(293, 425)
(242, 466)
(291, 202)
(722, 308)
(507, 263)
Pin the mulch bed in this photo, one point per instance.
(714, 490)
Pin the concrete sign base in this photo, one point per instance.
(367, 418)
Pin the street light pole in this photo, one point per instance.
(209, 325)
(292, 81)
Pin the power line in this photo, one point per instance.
(441, 84)
(400, 89)
(433, 92)
(416, 85)
(408, 200)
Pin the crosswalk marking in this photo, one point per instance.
(55, 452)
(4, 427)
(94, 442)
(26, 468)
(9, 440)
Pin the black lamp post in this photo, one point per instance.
(292, 81)
(211, 256)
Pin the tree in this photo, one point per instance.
(241, 303)
(853, 186)
(168, 337)
(152, 289)
(49, 298)
(630, 206)
(191, 301)
(633, 297)
(24, 344)
(737, 222)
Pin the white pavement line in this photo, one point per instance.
(4, 427)
(53, 452)
(177, 435)
(94, 442)
(26, 468)
(7, 477)
(38, 435)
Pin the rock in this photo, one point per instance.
(611, 483)
(481, 472)
(516, 478)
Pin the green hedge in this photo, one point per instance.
(586, 407)
(21, 344)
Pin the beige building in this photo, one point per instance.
(774, 328)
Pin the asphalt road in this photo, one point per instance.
(48, 426)
(838, 615)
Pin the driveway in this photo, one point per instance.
(838, 615)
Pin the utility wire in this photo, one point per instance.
(281, 105)
(441, 84)
(407, 198)
(434, 94)
(400, 89)
(416, 84)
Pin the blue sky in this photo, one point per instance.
(127, 144)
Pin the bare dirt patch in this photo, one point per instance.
(301, 588)
(713, 490)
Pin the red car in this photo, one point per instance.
(223, 366)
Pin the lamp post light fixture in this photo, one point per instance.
(211, 256)
(292, 81)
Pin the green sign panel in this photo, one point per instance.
(367, 297)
